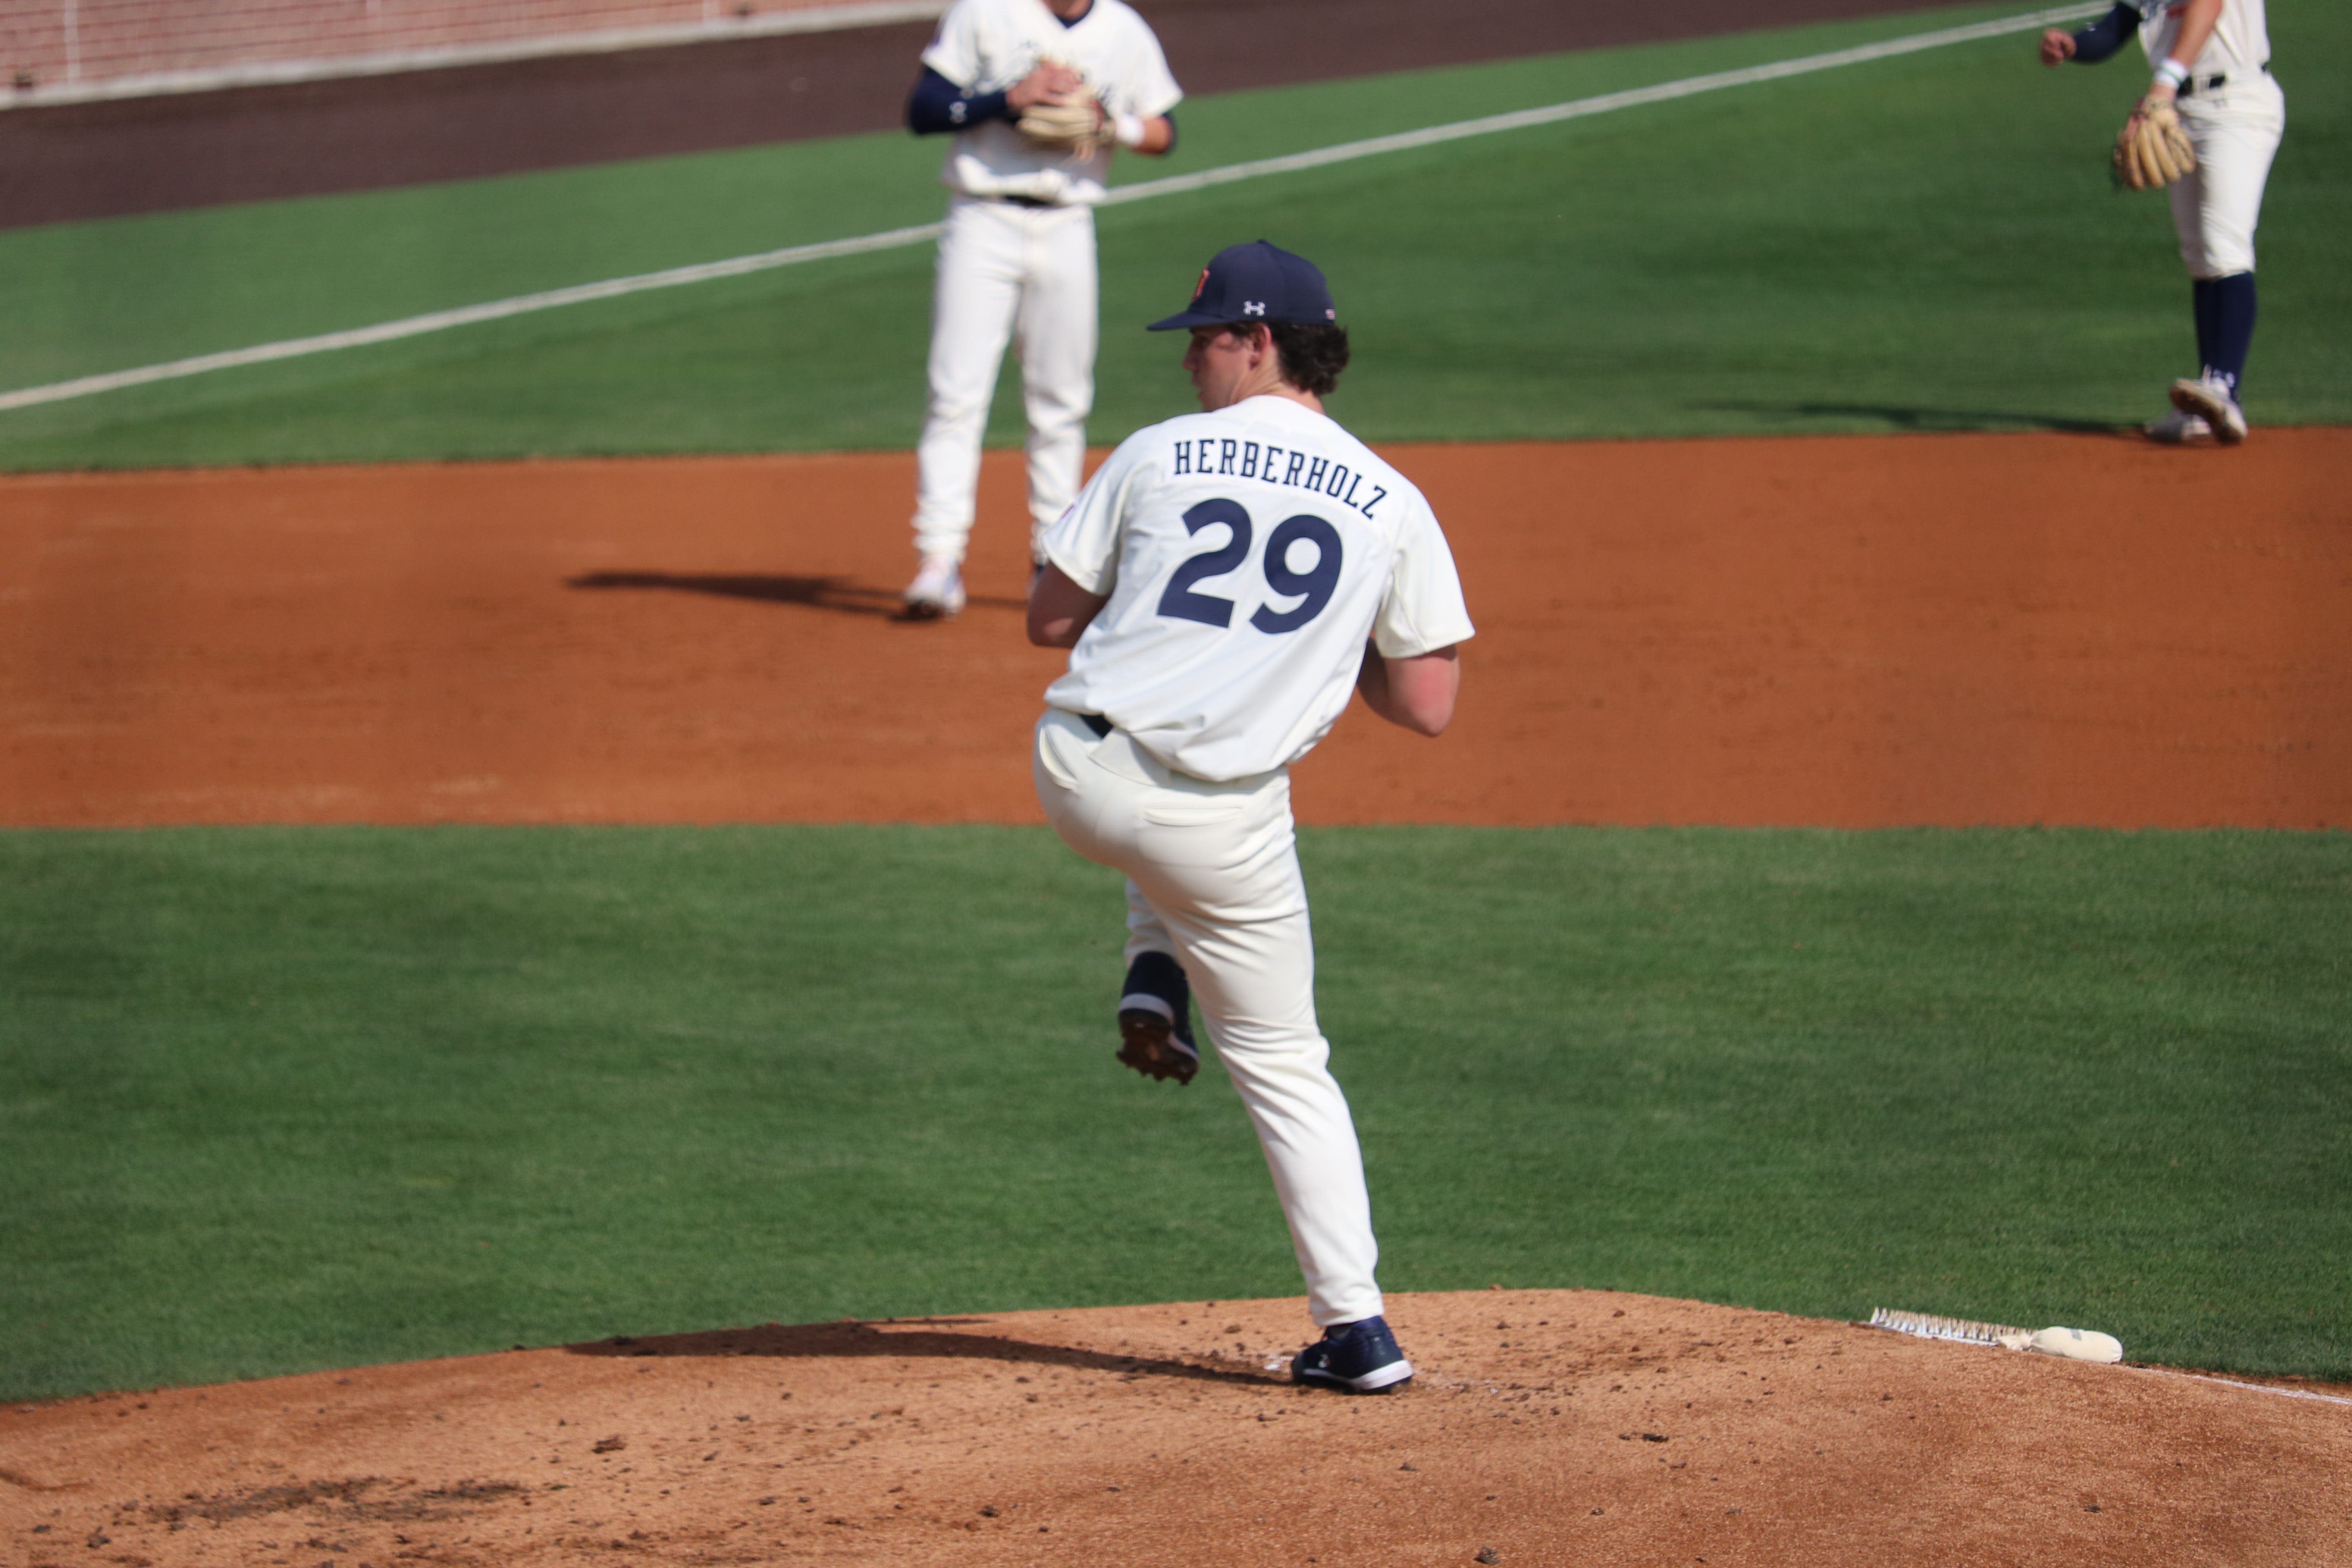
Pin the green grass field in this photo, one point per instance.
(299, 1098)
(1919, 243)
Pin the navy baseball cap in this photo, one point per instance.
(1255, 282)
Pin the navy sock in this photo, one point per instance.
(2204, 294)
(2225, 325)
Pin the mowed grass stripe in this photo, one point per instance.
(796, 256)
(158, 287)
(282, 1099)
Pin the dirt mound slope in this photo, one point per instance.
(1546, 1427)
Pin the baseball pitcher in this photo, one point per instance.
(2207, 128)
(1036, 93)
(1224, 582)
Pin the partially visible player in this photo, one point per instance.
(2212, 64)
(1038, 93)
(1225, 581)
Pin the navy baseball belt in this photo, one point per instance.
(2215, 82)
(1097, 723)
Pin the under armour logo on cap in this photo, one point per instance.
(1258, 282)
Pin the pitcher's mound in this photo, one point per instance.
(1546, 1427)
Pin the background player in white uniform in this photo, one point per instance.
(1018, 258)
(1224, 582)
(2212, 62)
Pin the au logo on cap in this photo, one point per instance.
(1255, 282)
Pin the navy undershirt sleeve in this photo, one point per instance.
(2105, 35)
(938, 104)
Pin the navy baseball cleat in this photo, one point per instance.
(1354, 1358)
(1155, 1020)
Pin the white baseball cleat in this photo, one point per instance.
(2178, 429)
(936, 591)
(2210, 401)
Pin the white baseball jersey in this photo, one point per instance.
(1247, 555)
(2241, 42)
(988, 46)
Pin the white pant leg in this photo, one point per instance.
(1055, 334)
(1218, 865)
(1145, 931)
(975, 294)
(2215, 204)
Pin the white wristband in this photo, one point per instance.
(2172, 73)
(1128, 128)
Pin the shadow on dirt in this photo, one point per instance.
(838, 595)
(910, 1338)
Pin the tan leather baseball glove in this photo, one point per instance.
(1078, 126)
(2152, 149)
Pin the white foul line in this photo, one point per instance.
(465, 316)
(523, 304)
(2253, 1387)
(1663, 92)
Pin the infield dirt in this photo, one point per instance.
(1844, 631)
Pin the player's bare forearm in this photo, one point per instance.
(1416, 693)
(2196, 25)
(1159, 136)
(1059, 610)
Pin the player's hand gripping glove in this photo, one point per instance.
(1079, 127)
(2152, 149)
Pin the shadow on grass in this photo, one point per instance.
(910, 1338)
(1935, 419)
(838, 595)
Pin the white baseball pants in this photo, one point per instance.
(1217, 864)
(1006, 272)
(2235, 130)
